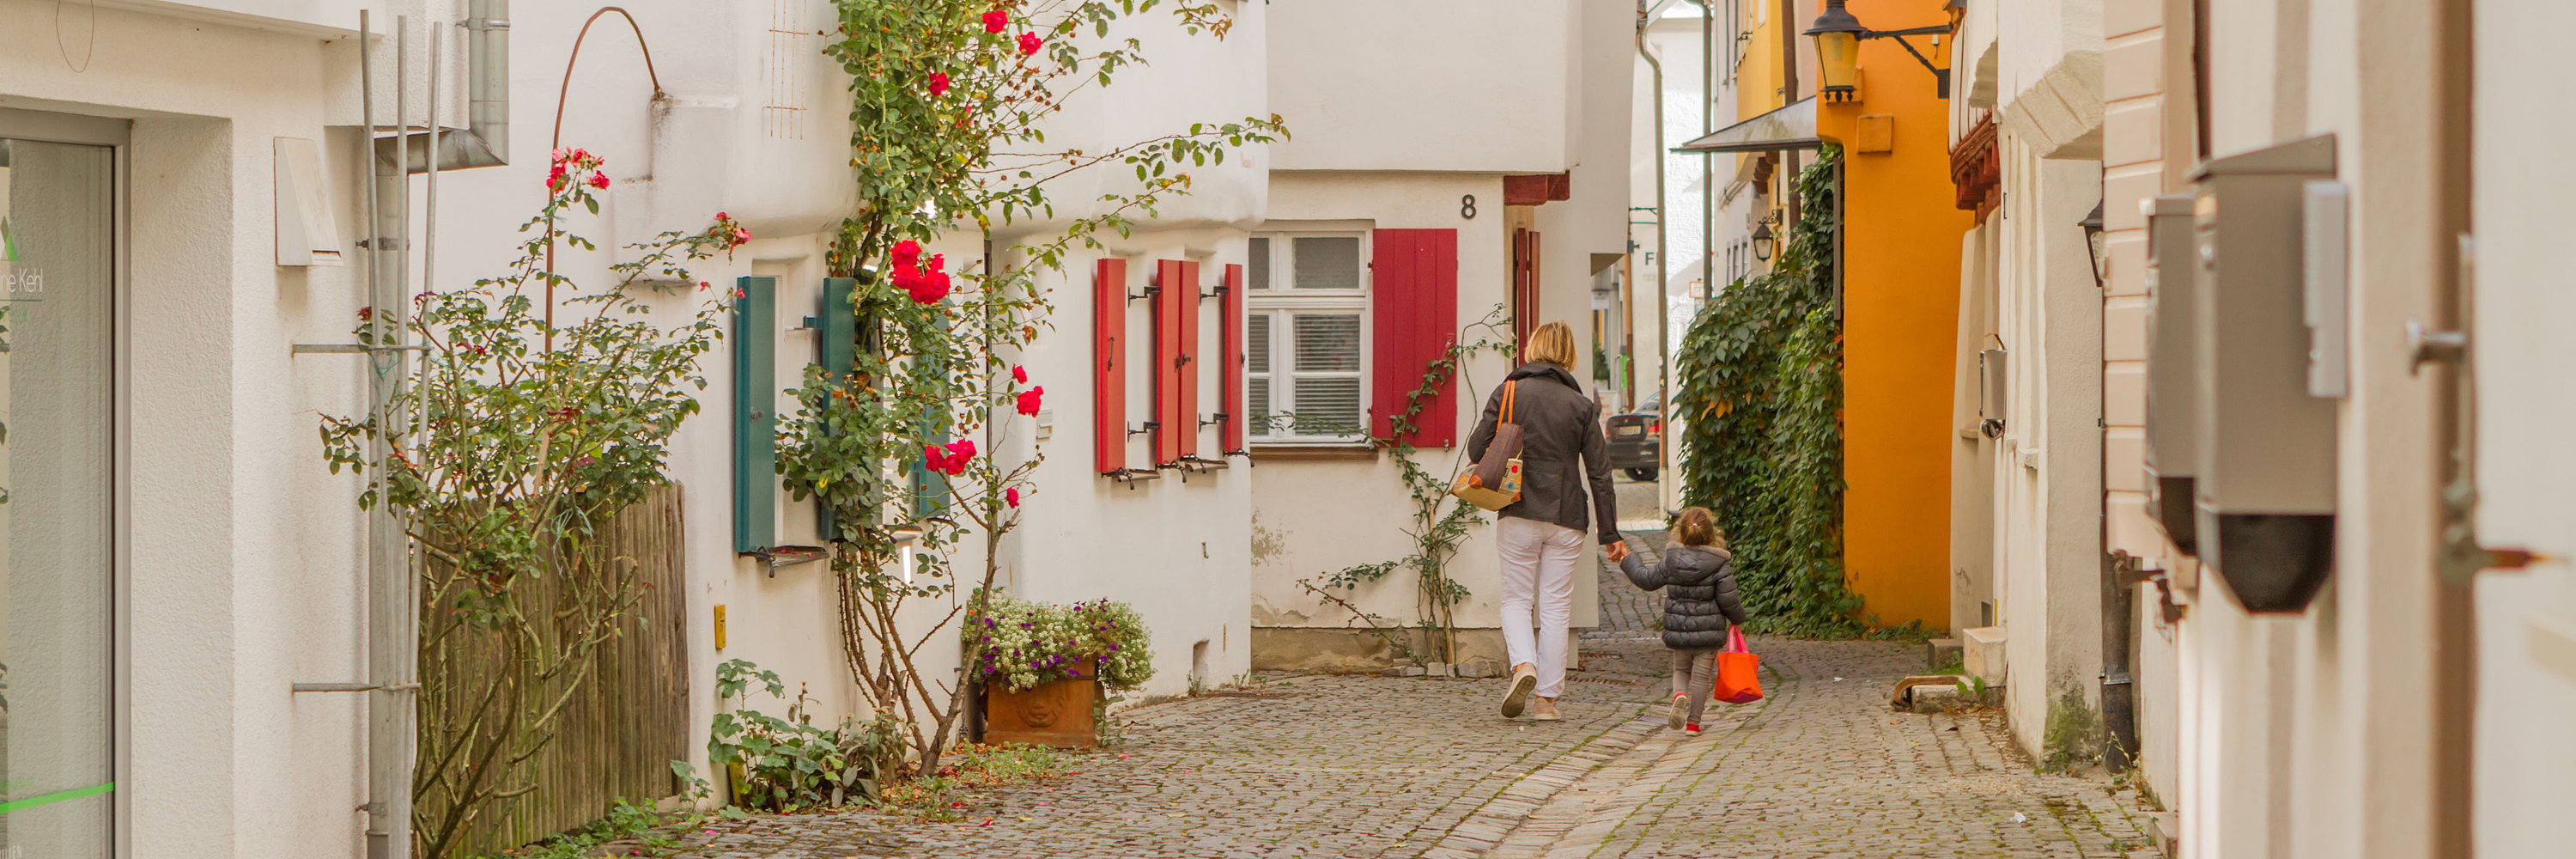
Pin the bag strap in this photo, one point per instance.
(1511, 392)
(1735, 639)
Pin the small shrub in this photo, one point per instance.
(790, 764)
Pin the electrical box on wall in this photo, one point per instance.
(2265, 486)
(307, 233)
(2327, 288)
(2172, 449)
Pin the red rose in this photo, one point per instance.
(939, 82)
(1012, 495)
(1029, 400)
(1028, 43)
(906, 252)
(1019, 374)
(996, 20)
(599, 180)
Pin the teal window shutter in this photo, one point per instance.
(755, 419)
(837, 353)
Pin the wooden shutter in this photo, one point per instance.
(1414, 313)
(1230, 373)
(1176, 396)
(755, 413)
(1108, 366)
(1524, 286)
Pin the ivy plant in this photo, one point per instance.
(1762, 444)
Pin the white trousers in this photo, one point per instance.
(1538, 573)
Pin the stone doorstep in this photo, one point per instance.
(2164, 829)
(1941, 651)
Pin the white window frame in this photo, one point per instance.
(1282, 303)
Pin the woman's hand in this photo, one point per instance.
(1618, 551)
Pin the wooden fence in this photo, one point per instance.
(619, 733)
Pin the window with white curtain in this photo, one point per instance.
(1305, 379)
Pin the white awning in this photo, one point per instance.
(1792, 127)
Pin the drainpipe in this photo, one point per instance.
(1789, 96)
(485, 141)
(1663, 262)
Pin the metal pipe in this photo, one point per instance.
(1789, 96)
(1663, 274)
(393, 615)
(485, 142)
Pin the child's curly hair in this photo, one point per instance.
(1696, 526)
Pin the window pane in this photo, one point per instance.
(1328, 406)
(1258, 272)
(57, 278)
(1327, 342)
(1327, 262)
(1257, 343)
(1258, 391)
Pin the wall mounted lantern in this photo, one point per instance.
(1838, 36)
(1765, 242)
(2097, 244)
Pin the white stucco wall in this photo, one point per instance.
(1454, 85)
(2525, 761)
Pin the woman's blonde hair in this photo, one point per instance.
(1696, 526)
(1552, 343)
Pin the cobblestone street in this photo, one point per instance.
(1352, 766)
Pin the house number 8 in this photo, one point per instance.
(1467, 207)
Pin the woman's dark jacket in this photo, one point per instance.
(1702, 598)
(1561, 448)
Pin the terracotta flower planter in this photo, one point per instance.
(1056, 713)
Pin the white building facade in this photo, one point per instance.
(181, 559)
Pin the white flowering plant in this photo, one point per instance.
(1024, 644)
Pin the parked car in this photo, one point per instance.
(1636, 440)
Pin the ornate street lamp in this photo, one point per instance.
(1838, 36)
(1764, 242)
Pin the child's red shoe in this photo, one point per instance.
(1690, 730)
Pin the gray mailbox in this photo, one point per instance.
(2265, 488)
(2173, 452)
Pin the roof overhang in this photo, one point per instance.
(1792, 127)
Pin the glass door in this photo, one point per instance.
(57, 443)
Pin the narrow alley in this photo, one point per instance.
(1381, 767)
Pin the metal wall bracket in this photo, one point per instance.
(354, 687)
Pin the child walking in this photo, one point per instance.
(1700, 603)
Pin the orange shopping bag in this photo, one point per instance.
(1739, 672)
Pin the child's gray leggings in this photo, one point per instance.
(1695, 675)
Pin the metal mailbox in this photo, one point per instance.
(2265, 485)
(2172, 433)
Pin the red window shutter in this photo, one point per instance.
(1171, 287)
(1230, 373)
(1185, 366)
(1108, 367)
(1414, 314)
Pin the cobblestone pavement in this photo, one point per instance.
(1350, 766)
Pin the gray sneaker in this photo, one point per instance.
(1523, 683)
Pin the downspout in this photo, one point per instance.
(485, 140)
(1789, 96)
(1663, 262)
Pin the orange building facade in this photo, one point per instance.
(1900, 281)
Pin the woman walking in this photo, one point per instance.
(1541, 535)
(1696, 611)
